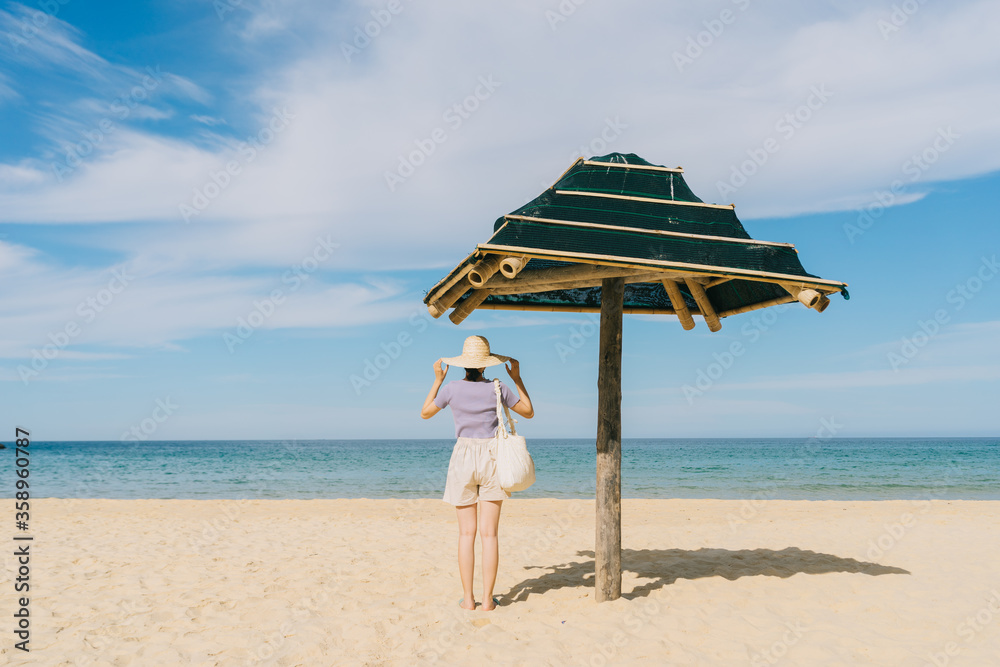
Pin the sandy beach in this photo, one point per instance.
(375, 582)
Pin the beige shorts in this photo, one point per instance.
(472, 473)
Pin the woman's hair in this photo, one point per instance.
(473, 374)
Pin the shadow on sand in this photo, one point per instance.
(665, 566)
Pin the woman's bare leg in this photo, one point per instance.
(467, 552)
(488, 523)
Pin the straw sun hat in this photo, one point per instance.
(476, 354)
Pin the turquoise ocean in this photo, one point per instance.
(817, 469)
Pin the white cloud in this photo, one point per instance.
(350, 121)
(888, 99)
(151, 305)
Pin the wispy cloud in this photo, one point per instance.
(208, 120)
(354, 120)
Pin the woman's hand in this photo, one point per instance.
(430, 408)
(523, 406)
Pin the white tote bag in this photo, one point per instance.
(515, 466)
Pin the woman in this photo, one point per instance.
(472, 472)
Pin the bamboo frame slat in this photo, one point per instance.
(584, 273)
(697, 291)
(652, 200)
(515, 287)
(564, 274)
(447, 282)
(448, 299)
(757, 306)
(680, 307)
(715, 282)
(623, 165)
(682, 267)
(471, 302)
(643, 230)
(571, 308)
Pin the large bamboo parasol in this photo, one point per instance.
(617, 234)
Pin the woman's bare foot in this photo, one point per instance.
(493, 604)
(463, 605)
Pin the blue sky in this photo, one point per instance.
(168, 170)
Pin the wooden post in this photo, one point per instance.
(608, 541)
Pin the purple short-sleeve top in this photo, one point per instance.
(474, 406)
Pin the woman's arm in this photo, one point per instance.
(429, 409)
(523, 406)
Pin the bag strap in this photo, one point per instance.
(510, 421)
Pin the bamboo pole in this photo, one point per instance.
(511, 266)
(465, 308)
(445, 284)
(518, 287)
(680, 307)
(573, 308)
(704, 305)
(757, 306)
(563, 274)
(448, 299)
(608, 540)
(808, 297)
(716, 281)
(484, 270)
